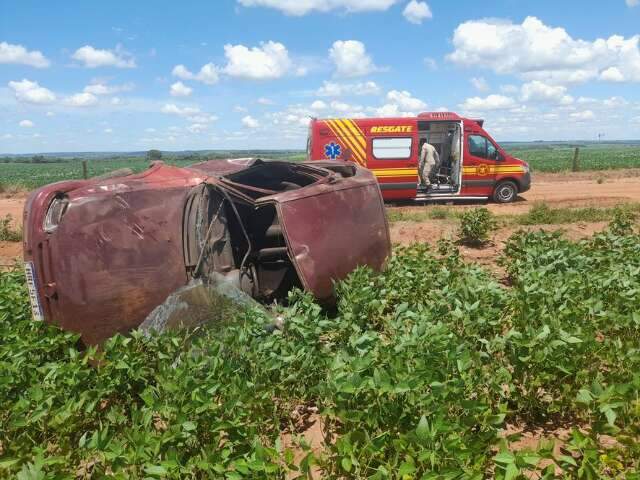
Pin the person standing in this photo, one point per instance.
(428, 159)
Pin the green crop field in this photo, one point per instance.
(558, 158)
(542, 158)
(426, 371)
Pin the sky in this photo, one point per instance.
(248, 74)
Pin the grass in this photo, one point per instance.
(7, 232)
(539, 214)
(542, 214)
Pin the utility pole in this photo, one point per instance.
(600, 135)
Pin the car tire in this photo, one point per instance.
(505, 192)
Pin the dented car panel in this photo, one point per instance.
(105, 253)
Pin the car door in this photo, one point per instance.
(479, 167)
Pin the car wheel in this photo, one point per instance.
(505, 192)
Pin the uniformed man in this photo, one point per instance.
(429, 158)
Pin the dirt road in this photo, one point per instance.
(558, 190)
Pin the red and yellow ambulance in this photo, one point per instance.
(472, 166)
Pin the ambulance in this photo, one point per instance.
(472, 166)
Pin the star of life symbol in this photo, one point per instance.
(332, 150)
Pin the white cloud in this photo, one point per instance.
(416, 12)
(250, 122)
(583, 116)
(10, 53)
(612, 74)
(302, 7)
(197, 128)
(535, 51)
(319, 105)
(208, 73)
(405, 101)
(173, 109)
(479, 83)
(92, 57)
(492, 102)
(179, 89)
(399, 104)
(633, 3)
(265, 101)
(333, 89)
(26, 124)
(540, 91)
(108, 130)
(267, 62)
(50, 114)
(30, 92)
(351, 59)
(150, 130)
(104, 89)
(83, 99)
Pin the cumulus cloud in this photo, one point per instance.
(399, 103)
(197, 128)
(18, 54)
(26, 124)
(351, 59)
(250, 122)
(319, 105)
(583, 116)
(83, 99)
(333, 89)
(208, 73)
(268, 61)
(491, 102)
(104, 89)
(173, 109)
(179, 89)
(92, 57)
(480, 84)
(265, 101)
(633, 3)
(540, 91)
(416, 12)
(30, 92)
(536, 51)
(303, 7)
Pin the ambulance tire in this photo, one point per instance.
(505, 192)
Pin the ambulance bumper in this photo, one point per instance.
(525, 182)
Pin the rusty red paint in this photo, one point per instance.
(119, 251)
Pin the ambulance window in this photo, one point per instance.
(396, 148)
(478, 146)
(492, 151)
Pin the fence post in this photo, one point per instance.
(576, 160)
(84, 169)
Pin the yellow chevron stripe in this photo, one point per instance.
(345, 137)
(351, 126)
(357, 141)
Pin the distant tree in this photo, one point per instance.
(37, 159)
(154, 155)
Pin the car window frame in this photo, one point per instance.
(408, 157)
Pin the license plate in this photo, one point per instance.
(36, 309)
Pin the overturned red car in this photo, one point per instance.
(101, 254)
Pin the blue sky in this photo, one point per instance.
(118, 76)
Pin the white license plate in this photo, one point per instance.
(36, 309)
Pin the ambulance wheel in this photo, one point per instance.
(505, 192)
